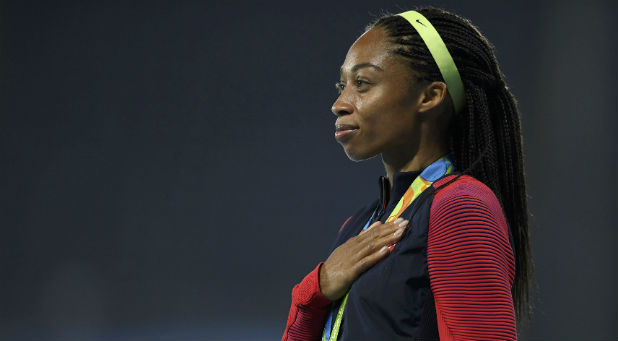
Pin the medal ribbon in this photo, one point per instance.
(439, 168)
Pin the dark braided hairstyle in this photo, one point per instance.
(485, 137)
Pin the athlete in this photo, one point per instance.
(443, 253)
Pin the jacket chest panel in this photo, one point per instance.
(392, 298)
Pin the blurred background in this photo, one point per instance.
(168, 168)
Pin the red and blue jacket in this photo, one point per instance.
(449, 277)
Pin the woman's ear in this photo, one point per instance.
(432, 96)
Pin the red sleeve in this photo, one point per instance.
(308, 311)
(471, 264)
(309, 307)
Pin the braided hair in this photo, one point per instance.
(485, 136)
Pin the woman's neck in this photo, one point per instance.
(401, 162)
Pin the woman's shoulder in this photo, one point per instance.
(466, 194)
(463, 186)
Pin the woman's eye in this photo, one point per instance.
(340, 86)
(361, 84)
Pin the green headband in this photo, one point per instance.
(440, 54)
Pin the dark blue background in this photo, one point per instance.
(168, 168)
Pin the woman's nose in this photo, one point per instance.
(342, 107)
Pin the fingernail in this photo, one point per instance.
(399, 232)
(403, 223)
(398, 220)
(384, 249)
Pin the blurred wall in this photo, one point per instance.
(168, 169)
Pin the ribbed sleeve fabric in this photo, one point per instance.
(471, 264)
(308, 311)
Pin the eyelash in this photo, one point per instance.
(341, 85)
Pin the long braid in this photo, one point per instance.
(486, 135)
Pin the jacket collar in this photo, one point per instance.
(401, 183)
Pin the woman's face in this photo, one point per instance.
(376, 109)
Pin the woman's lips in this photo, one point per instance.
(344, 132)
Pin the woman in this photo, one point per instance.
(443, 254)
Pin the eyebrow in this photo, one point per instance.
(364, 65)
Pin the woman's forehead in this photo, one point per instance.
(370, 49)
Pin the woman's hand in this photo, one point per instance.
(356, 255)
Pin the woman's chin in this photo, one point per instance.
(356, 155)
